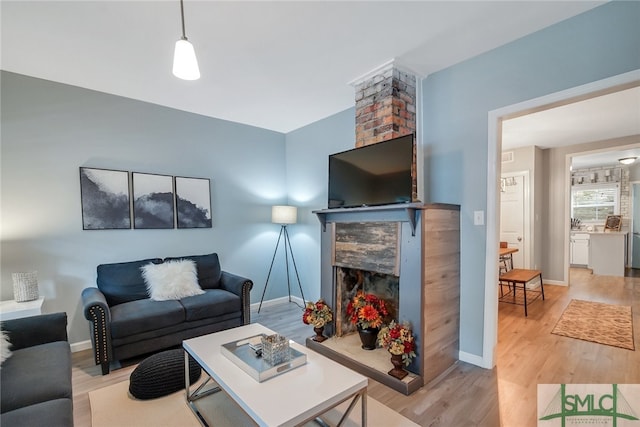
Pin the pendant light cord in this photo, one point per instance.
(184, 35)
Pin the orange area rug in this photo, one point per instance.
(597, 322)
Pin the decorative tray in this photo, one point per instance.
(242, 353)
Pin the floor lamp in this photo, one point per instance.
(283, 215)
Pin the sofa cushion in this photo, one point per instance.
(214, 302)
(173, 279)
(122, 282)
(35, 330)
(58, 413)
(144, 315)
(36, 374)
(208, 267)
(162, 374)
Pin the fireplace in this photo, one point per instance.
(349, 281)
(407, 254)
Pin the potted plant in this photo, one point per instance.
(398, 340)
(317, 314)
(367, 312)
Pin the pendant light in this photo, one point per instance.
(185, 64)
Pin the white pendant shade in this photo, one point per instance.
(185, 64)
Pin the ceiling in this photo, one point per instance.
(601, 118)
(273, 64)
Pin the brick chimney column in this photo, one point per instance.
(386, 109)
(385, 105)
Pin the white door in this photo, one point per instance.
(513, 216)
(635, 236)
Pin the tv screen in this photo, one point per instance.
(377, 174)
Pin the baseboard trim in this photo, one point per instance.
(472, 358)
(80, 346)
(278, 301)
(555, 282)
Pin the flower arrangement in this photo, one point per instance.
(366, 310)
(398, 339)
(317, 314)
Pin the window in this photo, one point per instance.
(592, 203)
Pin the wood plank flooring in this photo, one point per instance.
(527, 355)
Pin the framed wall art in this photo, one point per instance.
(152, 201)
(193, 202)
(105, 199)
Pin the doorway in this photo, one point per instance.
(514, 216)
(494, 149)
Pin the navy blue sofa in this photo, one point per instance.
(35, 382)
(126, 323)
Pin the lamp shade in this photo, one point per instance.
(284, 214)
(185, 63)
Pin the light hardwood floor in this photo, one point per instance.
(527, 355)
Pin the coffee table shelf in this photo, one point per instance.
(291, 399)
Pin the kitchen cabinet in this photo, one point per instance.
(608, 253)
(579, 249)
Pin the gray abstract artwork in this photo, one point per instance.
(105, 199)
(152, 201)
(193, 202)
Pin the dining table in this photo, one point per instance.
(507, 253)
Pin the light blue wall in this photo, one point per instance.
(592, 46)
(49, 130)
(308, 150)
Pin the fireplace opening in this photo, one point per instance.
(348, 281)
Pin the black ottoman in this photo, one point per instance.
(162, 374)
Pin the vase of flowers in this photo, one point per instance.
(367, 312)
(398, 340)
(317, 314)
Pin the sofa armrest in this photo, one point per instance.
(96, 310)
(240, 286)
(36, 330)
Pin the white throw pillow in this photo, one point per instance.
(5, 353)
(171, 280)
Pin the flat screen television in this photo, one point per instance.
(373, 175)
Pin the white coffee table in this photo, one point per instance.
(289, 399)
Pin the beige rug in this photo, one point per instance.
(113, 407)
(597, 322)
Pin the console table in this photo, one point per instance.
(12, 309)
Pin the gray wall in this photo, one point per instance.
(308, 150)
(634, 170)
(600, 43)
(539, 209)
(49, 130)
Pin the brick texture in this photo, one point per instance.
(386, 109)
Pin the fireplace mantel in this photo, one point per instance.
(429, 281)
(408, 211)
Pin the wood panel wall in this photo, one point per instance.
(440, 291)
